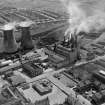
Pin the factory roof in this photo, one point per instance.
(57, 58)
(43, 87)
(6, 97)
(17, 79)
(64, 48)
(13, 101)
(2, 99)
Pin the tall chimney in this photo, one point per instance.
(26, 39)
(9, 42)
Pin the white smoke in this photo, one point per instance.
(26, 23)
(86, 15)
(9, 26)
(93, 23)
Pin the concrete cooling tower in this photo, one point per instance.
(26, 39)
(9, 42)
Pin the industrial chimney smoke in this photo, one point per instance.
(26, 39)
(9, 42)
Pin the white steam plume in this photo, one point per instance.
(9, 26)
(26, 23)
(86, 15)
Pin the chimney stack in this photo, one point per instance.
(9, 42)
(26, 39)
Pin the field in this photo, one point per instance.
(54, 5)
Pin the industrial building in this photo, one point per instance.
(43, 102)
(63, 53)
(16, 80)
(43, 87)
(37, 68)
(8, 98)
(58, 61)
(32, 70)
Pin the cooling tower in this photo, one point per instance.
(26, 39)
(9, 42)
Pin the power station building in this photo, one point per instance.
(63, 53)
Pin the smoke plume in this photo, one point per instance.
(26, 23)
(85, 15)
(9, 26)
